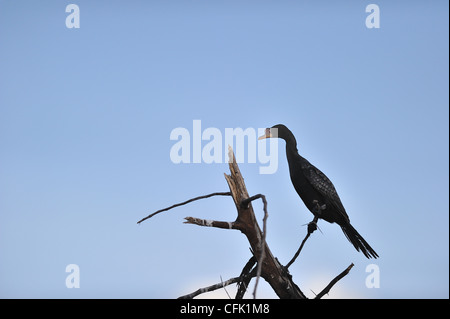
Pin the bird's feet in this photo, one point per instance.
(317, 209)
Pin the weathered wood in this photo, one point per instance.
(268, 268)
(271, 270)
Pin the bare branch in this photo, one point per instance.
(312, 226)
(263, 263)
(271, 270)
(221, 280)
(244, 278)
(333, 282)
(246, 275)
(184, 203)
(210, 288)
(210, 223)
(244, 204)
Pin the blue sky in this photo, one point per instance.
(86, 115)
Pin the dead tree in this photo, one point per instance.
(262, 264)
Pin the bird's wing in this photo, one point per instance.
(324, 186)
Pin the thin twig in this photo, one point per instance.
(333, 282)
(244, 204)
(298, 251)
(263, 245)
(184, 203)
(312, 226)
(210, 223)
(221, 280)
(210, 288)
(247, 273)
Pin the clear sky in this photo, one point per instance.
(86, 116)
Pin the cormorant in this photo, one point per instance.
(316, 190)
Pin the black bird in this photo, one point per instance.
(317, 191)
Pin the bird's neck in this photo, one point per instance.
(291, 149)
(291, 143)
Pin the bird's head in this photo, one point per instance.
(267, 134)
(278, 130)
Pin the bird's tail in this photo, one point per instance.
(358, 241)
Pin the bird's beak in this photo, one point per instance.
(266, 135)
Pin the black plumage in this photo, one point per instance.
(317, 191)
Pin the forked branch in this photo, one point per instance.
(267, 266)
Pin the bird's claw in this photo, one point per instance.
(319, 208)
